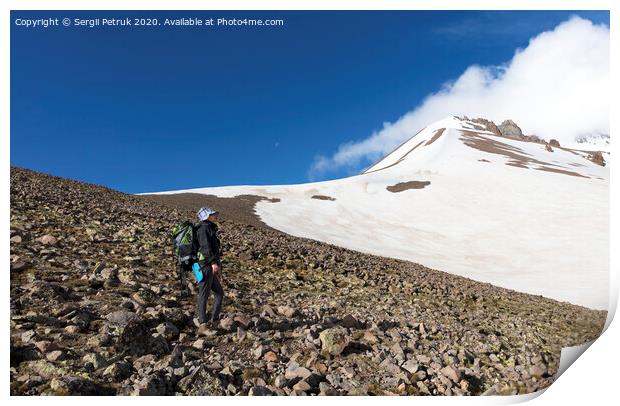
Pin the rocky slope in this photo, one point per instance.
(96, 309)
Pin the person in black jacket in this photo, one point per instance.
(210, 264)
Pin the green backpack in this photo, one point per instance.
(184, 241)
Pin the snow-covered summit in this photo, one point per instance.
(458, 197)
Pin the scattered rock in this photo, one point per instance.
(122, 318)
(259, 351)
(326, 389)
(451, 373)
(227, 324)
(73, 385)
(46, 346)
(302, 386)
(259, 391)
(287, 311)
(28, 336)
(199, 344)
(19, 266)
(48, 240)
(107, 309)
(295, 371)
(206, 331)
(349, 321)
(144, 297)
(118, 371)
(72, 329)
(168, 330)
(96, 360)
(151, 385)
(424, 359)
(537, 371)
(270, 356)
(56, 355)
(410, 366)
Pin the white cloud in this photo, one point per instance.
(557, 87)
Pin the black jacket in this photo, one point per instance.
(208, 243)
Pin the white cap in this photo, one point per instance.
(205, 212)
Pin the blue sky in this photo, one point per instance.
(147, 109)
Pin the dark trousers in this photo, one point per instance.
(209, 283)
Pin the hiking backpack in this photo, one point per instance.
(184, 241)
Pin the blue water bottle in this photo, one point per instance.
(197, 272)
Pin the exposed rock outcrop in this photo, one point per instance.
(509, 128)
(597, 158)
(488, 125)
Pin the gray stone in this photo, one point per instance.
(168, 330)
(260, 351)
(349, 321)
(118, 371)
(509, 128)
(333, 341)
(56, 355)
(259, 391)
(295, 371)
(122, 318)
(72, 385)
(410, 366)
(95, 359)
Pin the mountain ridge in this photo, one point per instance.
(486, 200)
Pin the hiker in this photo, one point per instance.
(210, 264)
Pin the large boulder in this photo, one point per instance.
(334, 340)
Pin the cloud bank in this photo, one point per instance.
(557, 87)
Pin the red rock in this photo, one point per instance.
(270, 356)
